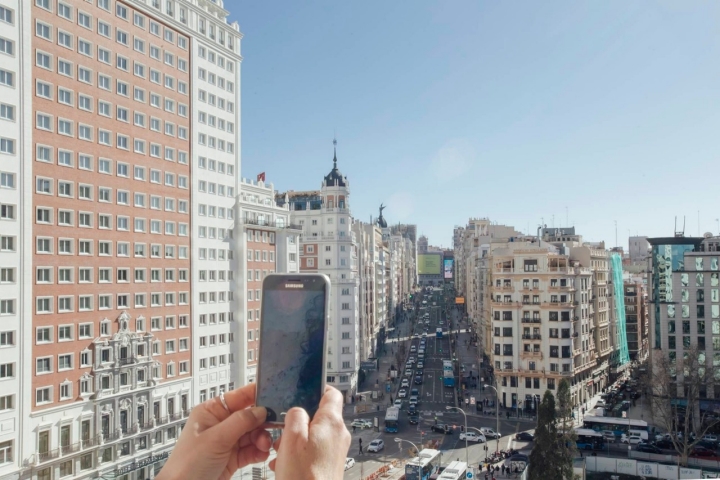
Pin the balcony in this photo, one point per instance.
(531, 354)
(48, 455)
(530, 320)
(111, 436)
(127, 360)
(531, 336)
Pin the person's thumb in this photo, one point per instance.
(226, 433)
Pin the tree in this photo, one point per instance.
(676, 386)
(543, 461)
(567, 447)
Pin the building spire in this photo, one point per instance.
(334, 153)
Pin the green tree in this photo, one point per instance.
(567, 448)
(543, 458)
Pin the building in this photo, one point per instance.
(120, 120)
(267, 243)
(635, 292)
(685, 305)
(372, 299)
(328, 245)
(639, 251)
(408, 232)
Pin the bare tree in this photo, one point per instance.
(676, 385)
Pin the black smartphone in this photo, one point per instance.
(293, 332)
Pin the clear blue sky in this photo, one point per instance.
(447, 109)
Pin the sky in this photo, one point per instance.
(580, 113)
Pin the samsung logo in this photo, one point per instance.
(294, 285)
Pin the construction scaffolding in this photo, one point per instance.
(622, 354)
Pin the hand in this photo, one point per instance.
(215, 442)
(317, 449)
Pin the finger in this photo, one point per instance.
(240, 398)
(261, 439)
(331, 406)
(296, 424)
(230, 430)
(272, 464)
(215, 407)
(249, 455)
(276, 445)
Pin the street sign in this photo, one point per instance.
(469, 475)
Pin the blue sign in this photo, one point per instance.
(469, 475)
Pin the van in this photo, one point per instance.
(609, 435)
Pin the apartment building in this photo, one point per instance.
(329, 246)
(540, 324)
(635, 292)
(371, 292)
(111, 121)
(268, 243)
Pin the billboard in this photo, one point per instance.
(429, 264)
(448, 262)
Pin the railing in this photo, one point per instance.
(93, 441)
(75, 447)
(127, 360)
(146, 425)
(48, 455)
(527, 353)
(112, 436)
(530, 320)
(161, 420)
(531, 336)
(175, 416)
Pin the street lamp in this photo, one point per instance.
(536, 397)
(400, 440)
(497, 416)
(464, 415)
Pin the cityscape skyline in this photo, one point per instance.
(562, 93)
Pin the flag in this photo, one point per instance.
(261, 176)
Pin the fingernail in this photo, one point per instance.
(260, 413)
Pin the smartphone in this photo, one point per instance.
(293, 333)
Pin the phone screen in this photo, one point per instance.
(292, 343)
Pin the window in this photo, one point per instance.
(43, 395)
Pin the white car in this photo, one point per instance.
(360, 423)
(490, 433)
(630, 440)
(402, 393)
(349, 462)
(424, 334)
(376, 445)
(710, 438)
(413, 400)
(408, 372)
(472, 437)
(398, 403)
(405, 383)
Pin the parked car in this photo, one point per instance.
(441, 428)
(665, 444)
(525, 437)
(707, 444)
(376, 445)
(699, 451)
(472, 437)
(349, 462)
(402, 393)
(361, 423)
(647, 448)
(710, 438)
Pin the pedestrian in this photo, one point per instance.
(503, 469)
(353, 428)
(360, 443)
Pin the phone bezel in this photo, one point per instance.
(271, 282)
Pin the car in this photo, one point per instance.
(361, 423)
(609, 436)
(630, 440)
(441, 428)
(411, 360)
(413, 419)
(699, 451)
(525, 437)
(421, 364)
(408, 372)
(376, 445)
(490, 433)
(402, 393)
(405, 383)
(415, 335)
(418, 379)
(421, 351)
(648, 448)
(349, 462)
(413, 349)
(414, 391)
(710, 438)
(412, 409)
(709, 445)
(414, 400)
(398, 403)
(424, 334)
(665, 444)
(472, 437)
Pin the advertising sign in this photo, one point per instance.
(429, 264)
(448, 270)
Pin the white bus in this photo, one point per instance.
(424, 465)
(616, 425)
(455, 471)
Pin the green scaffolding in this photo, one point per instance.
(622, 354)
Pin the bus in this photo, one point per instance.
(454, 471)
(588, 439)
(438, 332)
(448, 378)
(447, 365)
(424, 465)
(392, 419)
(616, 425)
